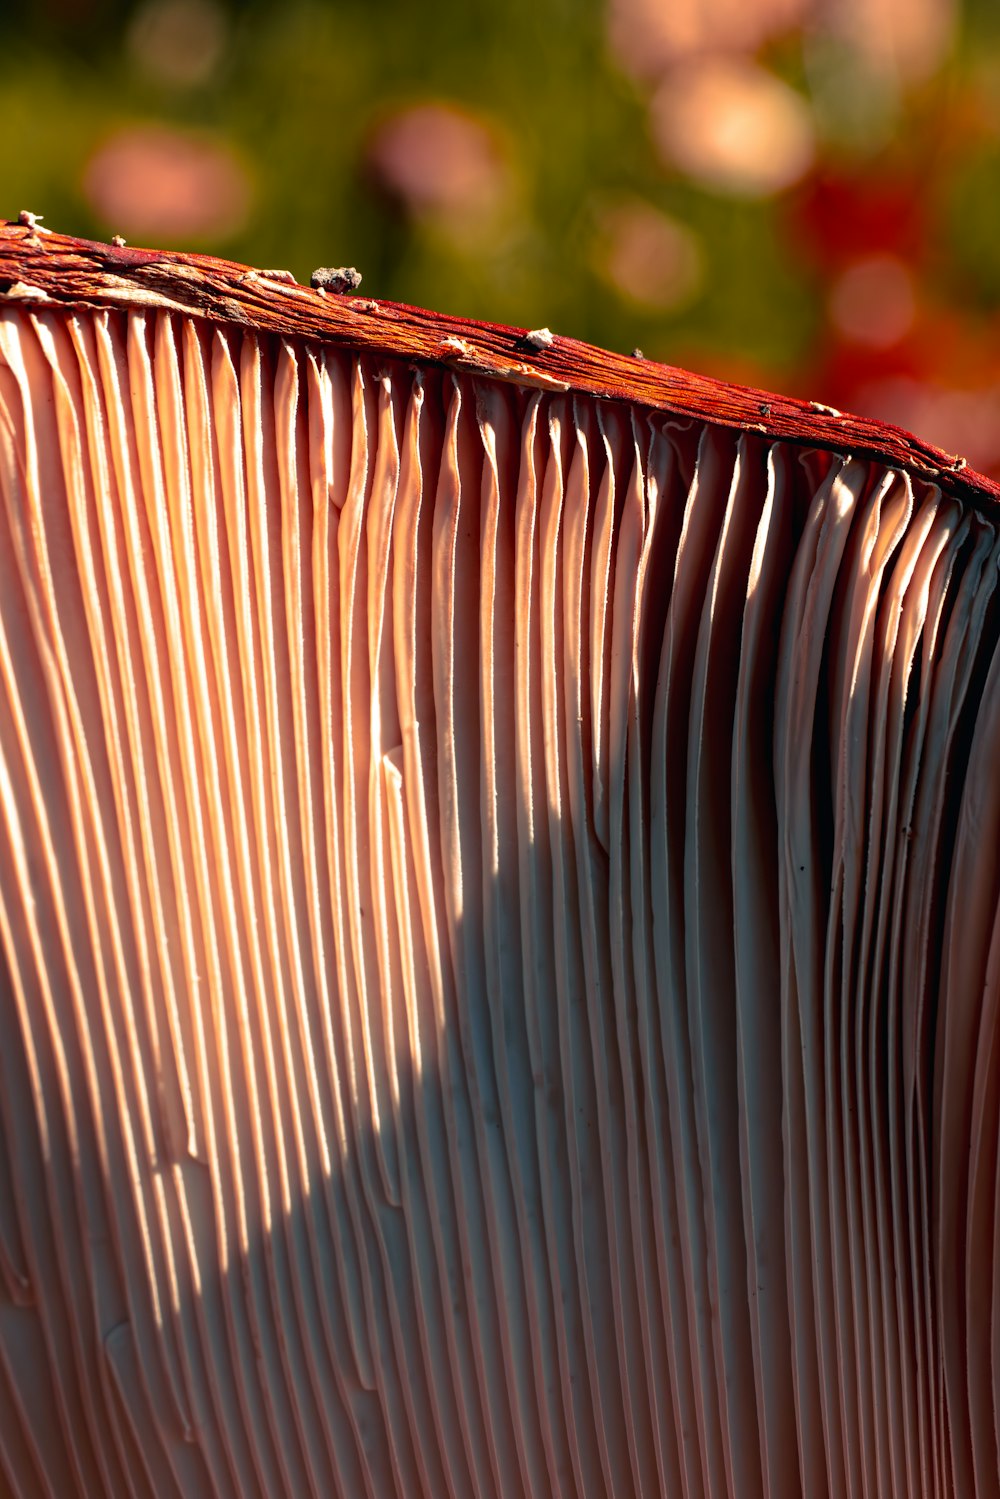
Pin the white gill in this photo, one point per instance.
(499, 941)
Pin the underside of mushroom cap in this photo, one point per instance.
(498, 913)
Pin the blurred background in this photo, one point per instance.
(798, 194)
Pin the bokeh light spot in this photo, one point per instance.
(647, 36)
(178, 42)
(648, 257)
(902, 40)
(151, 180)
(441, 161)
(873, 301)
(733, 126)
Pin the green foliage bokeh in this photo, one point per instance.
(301, 86)
(297, 95)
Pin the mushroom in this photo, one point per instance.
(499, 942)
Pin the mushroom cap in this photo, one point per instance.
(499, 958)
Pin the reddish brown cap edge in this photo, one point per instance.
(42, 268)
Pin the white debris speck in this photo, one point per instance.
(21, 291)
(539, 338)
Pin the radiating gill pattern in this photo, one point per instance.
(499, 942)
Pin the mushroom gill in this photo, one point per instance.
(499, 941)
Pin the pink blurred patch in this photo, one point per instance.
(901, 40)
(647, 36)
(964, 422)
(873, 301)
(651, 260)
(442, 161)
(155, 181)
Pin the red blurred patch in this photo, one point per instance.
(941, 382)
(835, 218)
